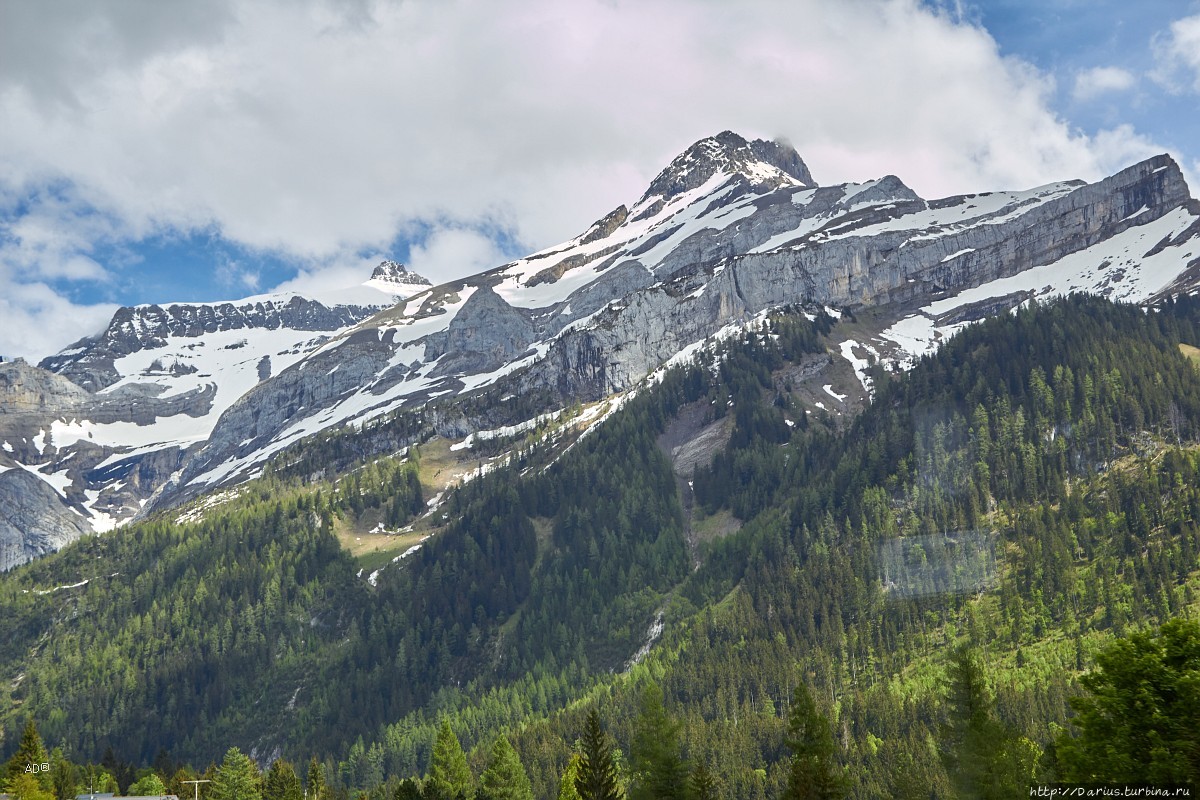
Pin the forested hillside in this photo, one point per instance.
(995, 516)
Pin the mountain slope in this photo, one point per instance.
(1021, 489)
(108, 420)
(727, 231)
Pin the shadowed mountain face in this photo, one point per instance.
(730, 229)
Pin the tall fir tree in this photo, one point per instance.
(315, 787)
(1140, 719)
(282, 783)
(449, 775)
(814, 773)
(701, 783)
(64, 776)
(984, 758)
(505, 777)
(30, 752)
(659, 771)
(597, 773)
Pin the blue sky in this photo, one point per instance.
(1076, 40)
(167, 152)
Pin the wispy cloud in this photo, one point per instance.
(1177, 53)
(1090, 83)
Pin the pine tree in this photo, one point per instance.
(597, 773)
(505, 777)
(30, 752)
(566, 787)
(282, 783)
(659, 771)
(407, 789)
(702, 783)
(449, 774)
(316, 781)
(1137, 722)
(983, 757)
(64, 776)
(237, 778)
(814, 773)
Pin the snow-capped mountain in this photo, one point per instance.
(729, 230)
(110, 418)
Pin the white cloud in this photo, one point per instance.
(1177, 54)
(1090, 83)
(316, 129)
(38, 321)
(455, 251)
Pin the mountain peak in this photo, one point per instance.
(394, 272)
(759, 161)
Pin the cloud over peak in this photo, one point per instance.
(319, 130)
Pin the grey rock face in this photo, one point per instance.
(727, 152)
(90, 362)
(395, 272)
(605, 226)
(484, 334)
(655, 323)
(33, 519)
(647, 286)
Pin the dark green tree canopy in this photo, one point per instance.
(282, 783)
(597, 773)
(449, 774)
(237, 778)
(1140, 720)
(814, 772)
(505, 777)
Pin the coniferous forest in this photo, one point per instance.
(984, 581)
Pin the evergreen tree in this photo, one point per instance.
(702, 783)
(237, 778)
(1140, 721)
(658, 770)
(597, 773)
(64, 776)
(282, 783)
(407, 789)
(30, 752)
(449, 774)
(566, 786)
(505, 777)
(315, 789)
(983, 757)
(814, 773)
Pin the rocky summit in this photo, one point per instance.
(729, 230)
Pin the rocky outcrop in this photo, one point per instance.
(762, 163)
(711, 290)
(604, 227)
(395, 273)
(484, 334)
(33, 519)
(90, 363)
